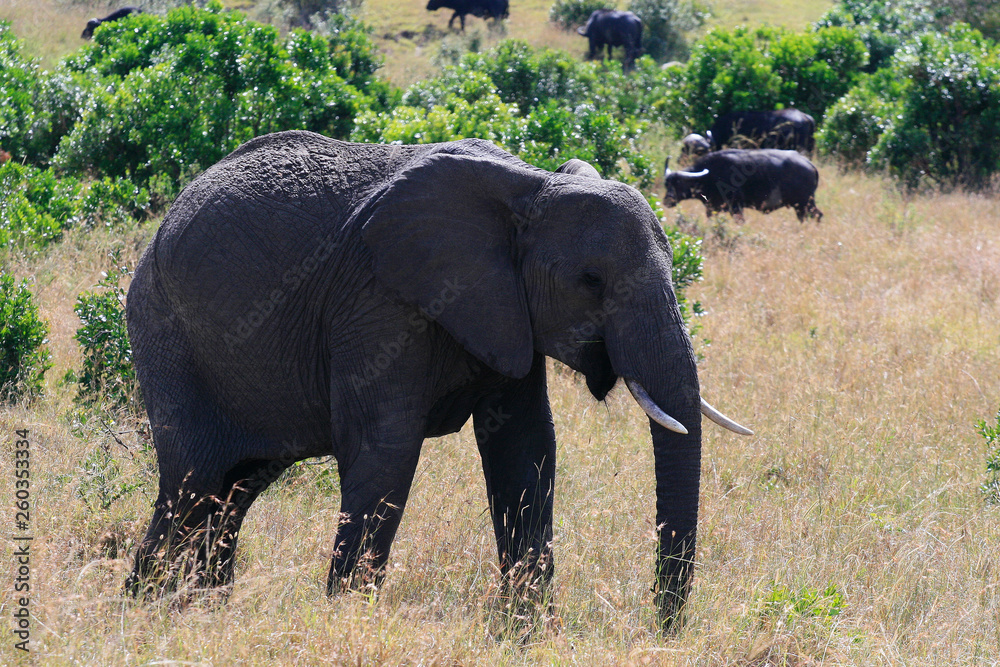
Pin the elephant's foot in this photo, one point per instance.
(523, 600)
(670, 595)
(175, 558)
(365, 576)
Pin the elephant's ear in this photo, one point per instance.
(442, 236)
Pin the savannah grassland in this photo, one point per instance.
(849, 530)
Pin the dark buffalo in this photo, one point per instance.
(611, 28)
(733, 179)
(498, 9)
(694, 146)
(787, 129)
(88, 32)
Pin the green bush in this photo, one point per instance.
(764, 68)
(36, 206)
(991, 487)
(179, 92)
(18, 95)
(854, 124)
(883, 25)
(932, 116)
(23, 360)
(570, 14)
(541, 105)
(664, 24)
(108, 374)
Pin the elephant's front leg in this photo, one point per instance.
(374, 489)
(516, 439)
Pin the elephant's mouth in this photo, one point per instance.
(596, 367)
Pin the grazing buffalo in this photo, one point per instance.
(498, 9)
(694, 146)
(787, 129)
(733, 179)
(88, 32)
(611, 28)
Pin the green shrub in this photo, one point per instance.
(664, 24)
(23, 360)
(570, 14)
(541, 105)
(180, 92)
(108, 374)
(18, 95)
(991, 487)
(856, 121)
(764, 68)
(36, 206)
(932, 116)
(947, 125)
(883, 25)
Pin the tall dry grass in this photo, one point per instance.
(861, 350)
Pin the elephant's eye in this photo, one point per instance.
(593, 281)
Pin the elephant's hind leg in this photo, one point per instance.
(194, 531)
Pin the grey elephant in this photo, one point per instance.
(611, 28)
(308, 297)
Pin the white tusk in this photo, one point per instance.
(654, 411)
(722, 420)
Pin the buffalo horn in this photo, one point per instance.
(689, 174)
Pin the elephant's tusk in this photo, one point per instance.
(654, 411)
(722, 420)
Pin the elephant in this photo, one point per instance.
(611, 27)
(309, 297)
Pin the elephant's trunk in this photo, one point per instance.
(663, 364)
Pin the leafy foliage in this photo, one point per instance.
(23, 360)
(933, 115)
(883, 25)
(886, 25)
(991, 487)
(764, 68)
(36, 206)
(541, 105)
(108, 373)
(19, 91)
(570, 14)
(784, 603)
(179, 93)
(664, 24)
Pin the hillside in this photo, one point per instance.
(407, 34)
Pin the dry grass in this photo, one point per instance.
(861, 350)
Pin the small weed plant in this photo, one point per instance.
(991, 433)
(108, 374)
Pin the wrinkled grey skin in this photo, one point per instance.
(308, 297)
(611, 28)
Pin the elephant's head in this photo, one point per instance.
(569, 265)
